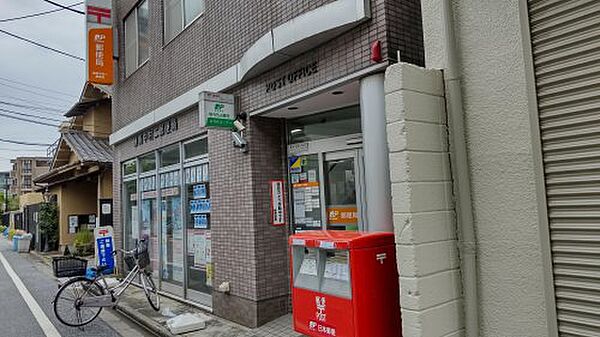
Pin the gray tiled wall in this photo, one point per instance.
(218, 39)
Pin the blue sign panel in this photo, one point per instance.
(105, 249)
(199, 191)
(200, 206)
(200, 221)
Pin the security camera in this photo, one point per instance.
(239, 141)
(238, 125)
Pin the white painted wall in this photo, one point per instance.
(500, 144)
(422, 203)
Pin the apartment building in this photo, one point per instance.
(24, 171)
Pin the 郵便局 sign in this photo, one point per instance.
(217, 110)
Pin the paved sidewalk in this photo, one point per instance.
(134, 305)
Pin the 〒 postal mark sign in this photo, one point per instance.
(217, 110)
(98, 12)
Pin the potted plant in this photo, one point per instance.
(48, 220)
(84, 242)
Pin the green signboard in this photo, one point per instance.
(217, 110)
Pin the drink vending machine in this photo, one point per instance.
(345, 284)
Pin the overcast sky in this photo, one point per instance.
(26, 63)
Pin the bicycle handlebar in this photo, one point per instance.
(135, 252)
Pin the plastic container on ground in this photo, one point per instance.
(15, 240)
(24, 243)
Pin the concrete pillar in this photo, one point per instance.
(376, 155)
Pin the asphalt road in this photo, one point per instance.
(17, 318)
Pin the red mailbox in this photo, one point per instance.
(345, 284)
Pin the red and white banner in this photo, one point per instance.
(277, 203)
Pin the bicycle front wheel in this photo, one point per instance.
(67, 303)
(150, 290)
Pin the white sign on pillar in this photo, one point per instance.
(277, 203)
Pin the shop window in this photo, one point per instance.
(179, 14)
(129, 168)
(149, 218)
(172, 208)
(169, 179)
(344, 121)
(148, 163)
(196, 148)
(130, 222)
(169, 156)
(198, 257)
(137, 47)
(171, 232)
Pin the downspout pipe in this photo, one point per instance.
(460, 173)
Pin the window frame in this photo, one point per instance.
(134, 12)
(183, 25)
(169, 167)
(196, 158)
(140, 159)
(130, 175)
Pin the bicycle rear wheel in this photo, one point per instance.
(67, 303)
(150, 290)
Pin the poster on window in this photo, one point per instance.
(199, 250)
(135, 227)
(200, 221)
(178, 272)
(199, 191)
(209, 265)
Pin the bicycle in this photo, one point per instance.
(80, 300)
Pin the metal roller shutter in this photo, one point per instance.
(565, 38)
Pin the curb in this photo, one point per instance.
(148, 324)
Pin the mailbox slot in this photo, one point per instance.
(323, 270)
(306, 267)
(336, 275)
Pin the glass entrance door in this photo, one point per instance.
(341, 206)
(326, 189)
(171, 258)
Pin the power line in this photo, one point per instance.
(31, 107)
(23, 143)
(28, 120)
(39, 88)
(64, 53)
(35, 93)
(38, 14)
(65, 7)
(31, 115)
(19, 150)
(37, 103)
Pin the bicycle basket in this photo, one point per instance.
(68, 266)
(143, 256)
(129, 261)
